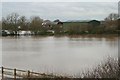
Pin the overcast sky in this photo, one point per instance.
(61, 10)
(60, 0)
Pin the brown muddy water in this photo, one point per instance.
(65, 55)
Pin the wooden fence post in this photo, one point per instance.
(2, 73)
(14, 74)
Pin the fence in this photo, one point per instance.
(16, 73)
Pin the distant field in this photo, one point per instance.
(66, 25)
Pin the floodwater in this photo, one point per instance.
(65, 55)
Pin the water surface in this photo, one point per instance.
(61, 55)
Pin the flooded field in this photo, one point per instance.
(67, 55)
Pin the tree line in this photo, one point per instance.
(110, 25)
(14, 22)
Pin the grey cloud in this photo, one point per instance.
(62, 10)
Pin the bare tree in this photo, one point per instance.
(0, 25)
(112, 16)
(23, 23)
(11, 22)
(111, 22)
(36, 23)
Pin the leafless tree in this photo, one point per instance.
(112, 16)
(36, 23)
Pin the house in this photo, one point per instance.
(25, 33)
(94, 23)
(51, 31)
(47, 23)
(58, 22)
(4, 32)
